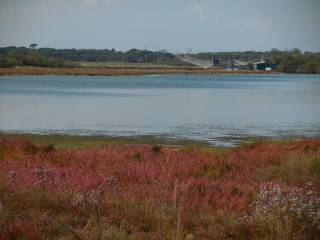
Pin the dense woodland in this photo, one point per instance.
(293, 61)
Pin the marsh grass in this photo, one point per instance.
(58, 187)
(77, 141)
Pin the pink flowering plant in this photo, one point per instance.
(116, 191)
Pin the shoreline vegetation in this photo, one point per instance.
(119, 71)
(110, 62)
(79, 187)
(61, 141)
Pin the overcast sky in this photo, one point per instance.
(175, 25)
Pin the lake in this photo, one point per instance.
(220, 109)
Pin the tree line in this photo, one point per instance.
(22, 56)
(111, 55)
(289, 61)
(50, 57)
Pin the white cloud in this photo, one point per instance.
(198, 9)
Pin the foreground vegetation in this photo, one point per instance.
(110, 190)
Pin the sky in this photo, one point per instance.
(174, 25)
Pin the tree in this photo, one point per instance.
(33, 45)
(289, 64)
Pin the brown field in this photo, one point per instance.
(119, 71)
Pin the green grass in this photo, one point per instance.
(74, 141)
(80, 141)
(61, 141)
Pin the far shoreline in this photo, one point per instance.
(123, 71)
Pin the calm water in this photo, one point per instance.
(221, 109)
